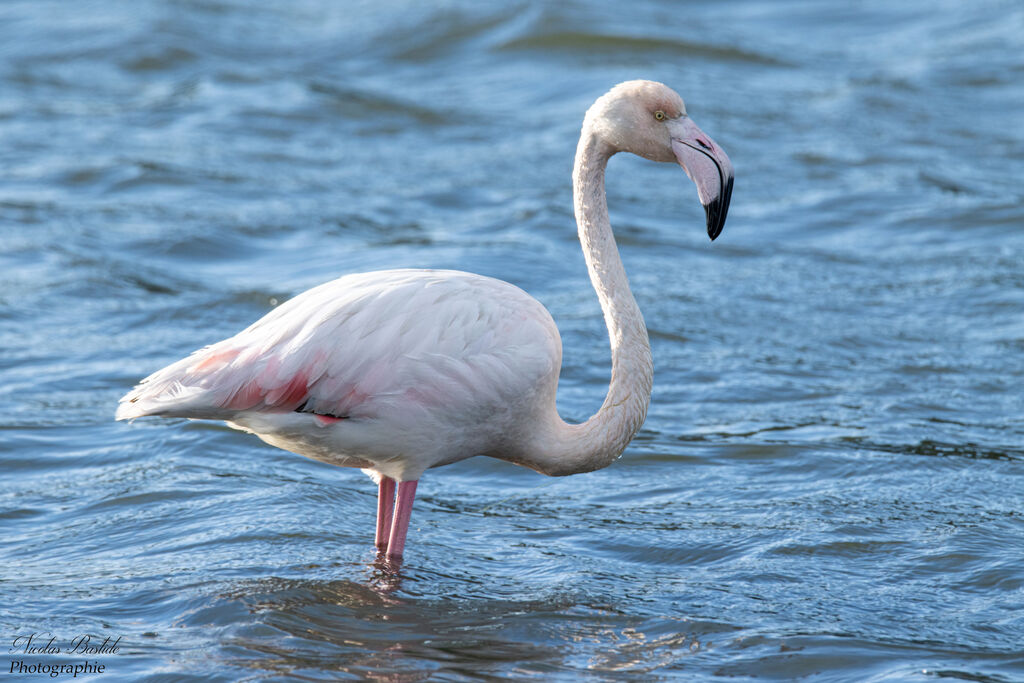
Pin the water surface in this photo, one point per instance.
(829, 484)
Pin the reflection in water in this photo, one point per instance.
(309, 625)
(364, 629)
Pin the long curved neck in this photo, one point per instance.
(569, 449)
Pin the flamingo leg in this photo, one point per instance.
(400, 525)
(385, 508)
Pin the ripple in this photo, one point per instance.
(597, 43)
(938, 449)
(352, 102)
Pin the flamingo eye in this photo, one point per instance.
(659, 115)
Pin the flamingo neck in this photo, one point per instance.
(568, 449)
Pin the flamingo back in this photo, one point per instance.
(371, 346)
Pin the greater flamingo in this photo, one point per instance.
(399, 371)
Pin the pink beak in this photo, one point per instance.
(708, 167)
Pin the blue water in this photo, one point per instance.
(830, 482)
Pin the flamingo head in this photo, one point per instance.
(649, 119)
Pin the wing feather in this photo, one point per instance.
(366, 343)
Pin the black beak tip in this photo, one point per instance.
(714, 224)
(717, 209)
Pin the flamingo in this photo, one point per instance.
(399, 371)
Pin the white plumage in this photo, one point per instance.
(424, 367)
(399, 371)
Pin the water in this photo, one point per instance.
(829, 483)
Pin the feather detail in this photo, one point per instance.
(364, 345)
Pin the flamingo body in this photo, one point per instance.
(393, 371)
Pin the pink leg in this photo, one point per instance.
(403, 510)
(385, 506)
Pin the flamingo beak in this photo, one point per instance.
(708, 167)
